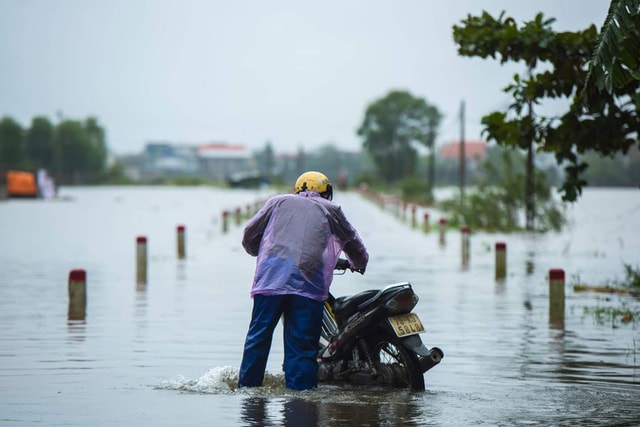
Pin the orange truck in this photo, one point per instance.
(21, 184)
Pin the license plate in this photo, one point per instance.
(406, 324)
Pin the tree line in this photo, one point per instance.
(72, 151)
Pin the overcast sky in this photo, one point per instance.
(297, 73)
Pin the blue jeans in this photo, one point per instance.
(302, 323)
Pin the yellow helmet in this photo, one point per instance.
(316, 182)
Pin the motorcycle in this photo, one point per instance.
(372, 338)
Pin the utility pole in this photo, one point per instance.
(463, 159)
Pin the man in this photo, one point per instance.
(297, 239)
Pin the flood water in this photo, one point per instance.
(168, 352)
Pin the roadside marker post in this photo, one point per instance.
(77, 294)
(425, 222)
(413, 216)
(501, 260)
(181, 242)
(443, 229)
(141, 260)
(556, 294)
(225, 221)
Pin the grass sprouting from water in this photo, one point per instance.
(615, 316)
(626, 313)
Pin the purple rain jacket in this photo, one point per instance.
(297, 239)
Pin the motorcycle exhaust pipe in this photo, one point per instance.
(435, 356)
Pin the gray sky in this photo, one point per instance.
(297, 73)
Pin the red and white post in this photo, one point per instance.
(413, 216)
(182, 253)
(443, 229)
(141, 260)
(556, 294)
(77, 294)
(501, 260)
(225, 221)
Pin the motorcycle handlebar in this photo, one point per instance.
(344, 264)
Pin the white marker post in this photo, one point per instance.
(501, 260)
(141, 260)
(556, 294)
(413, 216)
(181, 242)
(77, 294)
(443, 229)
(225, 221)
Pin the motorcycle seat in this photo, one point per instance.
(345, 306)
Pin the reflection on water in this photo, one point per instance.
(259, 411)
(167, 351)
(76, 331)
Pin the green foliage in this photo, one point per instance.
(497, 203)
(415, 190)
(265, 160)
(80, 151)
(625, 314)
(369, 178)
(556, 66)
(73, 151)
(12, 152)
(39, 143)
(391, 126)
(615, 62)
(115, 176)
(633, 277)
(619, 170)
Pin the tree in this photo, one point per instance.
(497, 203)
(79, 151)
(608, 127)
(269, 158)
(39, 143)
(96, 146)
(12, 153)
(391, 126)
(265, 160)
(616, 57)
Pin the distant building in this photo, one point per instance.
(218, 161)
(473, 150)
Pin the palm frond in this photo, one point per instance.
(615, 58)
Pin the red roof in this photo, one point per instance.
(221, 150)
(472, 150)
(220, 146)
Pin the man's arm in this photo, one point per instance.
(254, 229)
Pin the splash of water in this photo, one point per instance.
(222, 379)
(218, 380)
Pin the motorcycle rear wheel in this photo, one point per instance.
(396, 365)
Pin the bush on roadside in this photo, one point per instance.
(497, 203)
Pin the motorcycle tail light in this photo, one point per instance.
(402, 302)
